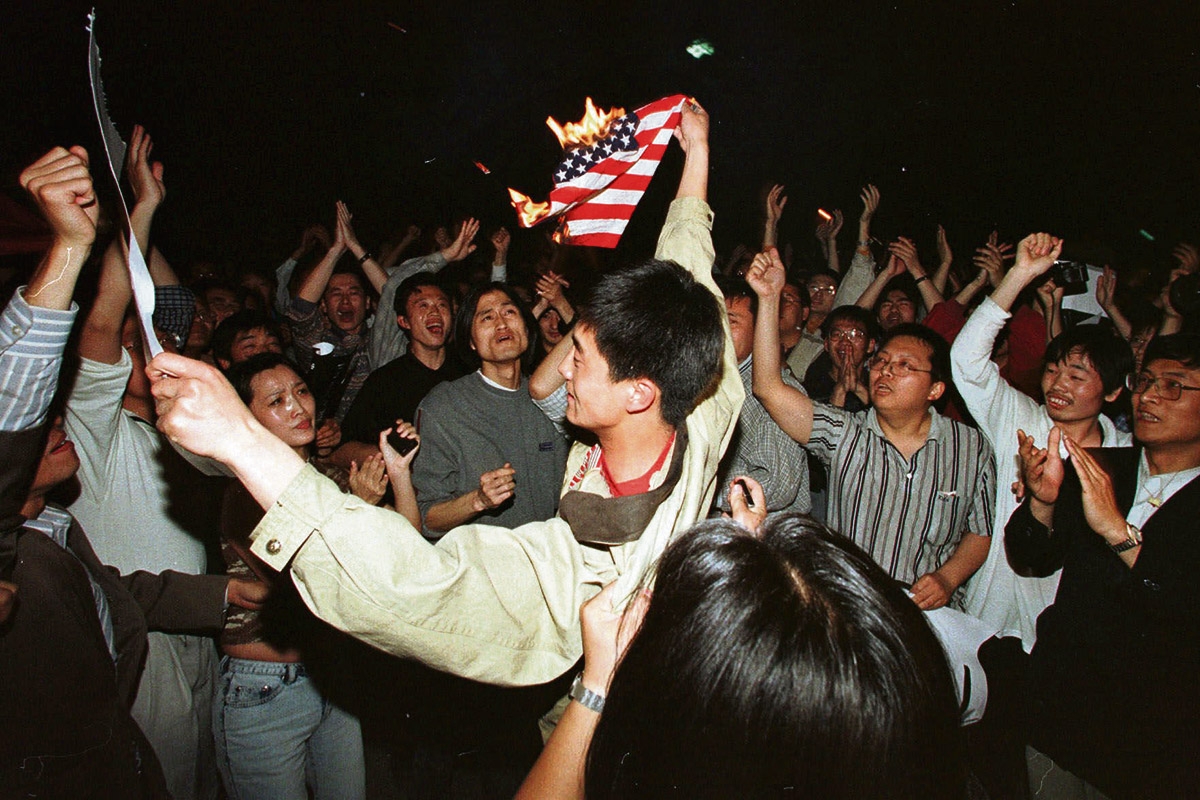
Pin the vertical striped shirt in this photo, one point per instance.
(32, 341)
(909, 515)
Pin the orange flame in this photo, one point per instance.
(530, 213)
(589, 130)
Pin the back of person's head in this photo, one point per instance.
(236, 324)
(782, 665)
(656, 321)
(241, 375)
(1181, 347)
(859, 316)
(465, 318)
(1109, 354)
(735, 288)
(939, 349)
(410, 286)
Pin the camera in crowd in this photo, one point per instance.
(1072, 276)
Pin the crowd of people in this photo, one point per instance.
(701, 526)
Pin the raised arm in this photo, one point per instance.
(1036, 253)
(776, 200)
(61, 185)
(870, 200)
(370, 266)
(789, 407)
(827, 232)
(101, 337)
(906, 252)
(893, 269)
(945, 260)
(314, 283)
(1106, 296)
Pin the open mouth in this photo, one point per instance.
(1057, 402)
(59, 443)
(304, 425)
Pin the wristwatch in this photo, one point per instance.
(1133, 538)
(585, 696)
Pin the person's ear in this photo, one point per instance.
(1113, 395)
(641, 395)
(936, 390)
(403, 322)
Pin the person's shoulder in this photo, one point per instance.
(450, 392)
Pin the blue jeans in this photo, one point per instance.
(276, 733)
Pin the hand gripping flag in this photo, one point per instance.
(598, 184)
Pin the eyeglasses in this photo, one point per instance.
(898, 368)
(1168, 388)
(852, 334)
(822, 290)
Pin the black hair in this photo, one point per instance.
(733, 288)
(410, 286)
(355, 273)
(900, 283)
(786, 664)
(939, 355)
(865, 320)
(1109, 354)
(656, 321)
(801, 288)
(466, 316)
(1181, 347)
(233, 325)
(241, 375)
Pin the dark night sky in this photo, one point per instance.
(1079, 118)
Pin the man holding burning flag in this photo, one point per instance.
(652, 376)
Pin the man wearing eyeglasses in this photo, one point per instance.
(1112, 695)
(911, 487)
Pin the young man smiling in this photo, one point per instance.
(394, 391)
(1085, 367)
(492, 604)
(909, 486)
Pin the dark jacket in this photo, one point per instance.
(1113, 678)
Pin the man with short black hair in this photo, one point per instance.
(660, 393)
(244, 334)
(1084, 368)
(394, 391)
(912, 488)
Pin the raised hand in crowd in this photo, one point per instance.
(461, 246)
(399, 471)
(345, 233)
(943, 274)
(316, 235)
(391, 256)
(61, 186)
(500, 239)
(776, 200)
(1036, 253)
(549, 289)
(1049, 298)
(827, 231)
(870, 201)
(1188, 257)
(905, 250)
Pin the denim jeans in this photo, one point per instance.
(275, 732)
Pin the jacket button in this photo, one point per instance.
(274, 546)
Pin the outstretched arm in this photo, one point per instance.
(314, 283)
(906, 252)
(345, 232)
(1036, 253)
(893, 269)
(789, 407)
(776, 200)
(62, 188)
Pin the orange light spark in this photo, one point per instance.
(482, 168)
(590, 129)
(825, 215)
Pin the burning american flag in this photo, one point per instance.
(608, 161)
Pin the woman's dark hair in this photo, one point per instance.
(787, 665)
(241, 375)
(466, 316)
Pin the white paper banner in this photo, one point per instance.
(114, 147)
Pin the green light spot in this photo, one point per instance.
(1146, 233)
(700, 48)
